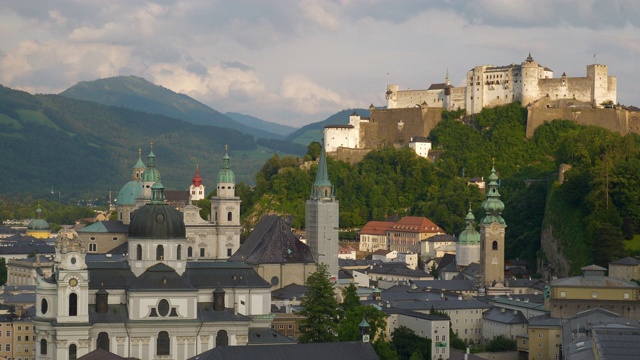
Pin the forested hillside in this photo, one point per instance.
(587, 214)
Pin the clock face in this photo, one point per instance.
(73, 282)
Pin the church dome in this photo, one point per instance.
(469, 236)
(38, 223)
(157, 219)
(151, 173)
(226, 175)
(129, 192)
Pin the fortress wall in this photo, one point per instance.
(456, 99)
(396, 127)
(611, 119)
(411, 98)
(351, 156)
(578, 88)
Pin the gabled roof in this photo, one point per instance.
(160, 277)
(416, 224)
(105, 227)
(505, 317)
(272, 242)
(100, 354)
(629, 261)
(376, 227)
(267, 337)
(352, 350)
(210, 274)
(289, 292)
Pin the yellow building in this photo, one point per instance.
(39, 227)
(544, 338)
(569, 296)
(24, 343)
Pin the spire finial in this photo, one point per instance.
(226, 147)
(447, 77)
(139, 152)
(151, 145)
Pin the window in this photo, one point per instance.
(8, 333)
(103, 341)
(201, 252)
(73, 352)
(594, 295)
(179, 252)
(163, 307)
(44, 306)
(19, 337)
(222, 339)
(20, 328)
(163, 346)
(290, 326)
(93, 247)
(7, 347)
(190, 252)
(494, 245)
(281, 326)
(228, 252)
(139, 252)
(160, 252)
(73, 304)
(626, 296)
(229, 216)
(563, 294)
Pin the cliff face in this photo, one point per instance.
(563, 236)
(557, 264)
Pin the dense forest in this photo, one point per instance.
(596, 206)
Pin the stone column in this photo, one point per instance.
(120, 349)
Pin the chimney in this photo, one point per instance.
(515, 312)
(441, 295)
(218, 299)
(502, 310)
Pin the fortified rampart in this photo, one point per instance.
(617, 119)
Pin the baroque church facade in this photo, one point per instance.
(157, 302)
(217, 237)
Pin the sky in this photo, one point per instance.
(297, 62)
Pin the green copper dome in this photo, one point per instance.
(151, 174)
(157, 219)
(493, 206)
(469, 236)
(38, 223)
(226, 175)
(129, 192)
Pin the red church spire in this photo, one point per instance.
(197, 180)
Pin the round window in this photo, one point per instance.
(275, 281)
(73, 260)
(163, 307)
(92, 238)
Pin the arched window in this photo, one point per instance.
(201, 252)
(139, 252)
(229, 216)
(43, 347)
(160, 252)
(163, 345)
(216, 217)
(103, 341)
(73, 352)
(73, 304)
(190, 252)
(179, 252)
(494, 245)
(222, 339)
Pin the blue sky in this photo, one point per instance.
(296, 62)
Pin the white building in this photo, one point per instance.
(421, 145)
(432, 327)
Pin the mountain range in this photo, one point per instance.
(85, 140)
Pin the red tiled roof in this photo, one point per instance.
(376, 227)
(416, 224)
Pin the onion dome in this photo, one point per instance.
(529, 58)
(139, 164)
(38, 223)
(226, 175)
(157, 219)
(151, 174)
(493, 206)
(197, 180)
(469, 236)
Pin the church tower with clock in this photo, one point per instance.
(492, 231)
(225, 212)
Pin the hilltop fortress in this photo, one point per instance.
(586, 100)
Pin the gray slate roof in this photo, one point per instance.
(289, 292)
(448, 285)
(629, 261)
(619, 344)
(106, 227)
(267, 337)
(272, 242)
(313, 351)
(505, 317)
(23, 245)
(160, 277)
(210, 274)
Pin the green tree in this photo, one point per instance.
(406, 342)
(352, 313)
(384, 350)
(501, 343)
(319, 309)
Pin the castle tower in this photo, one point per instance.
(492, 230)
(603, 86)
(149, 176)
(225, 214)
(392, 96)
(196, 190)
(530, 75)
(322, 211)
(468, 247)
